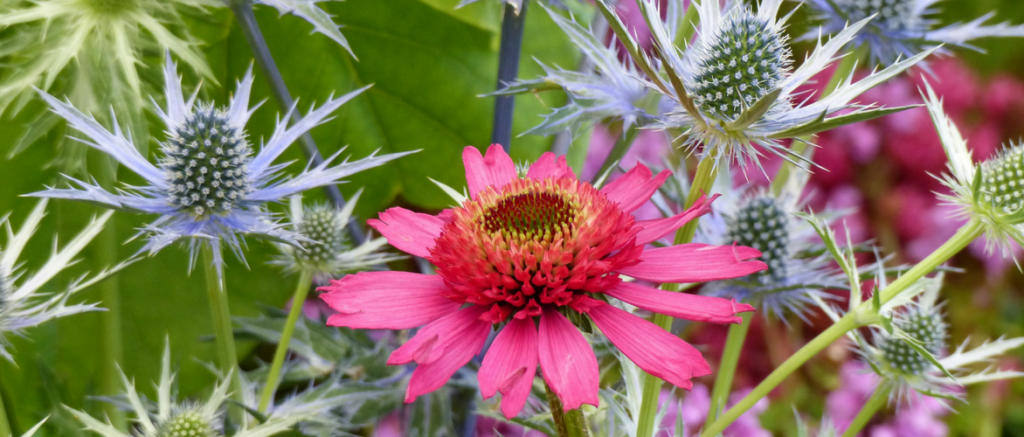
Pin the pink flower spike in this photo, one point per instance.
(566, 360)
(411, 232)
(680, 305)
(435, 340)
(495, 170)
(694, 262)
(634, 188)
(655, 350)
(548, 166)
(651, 230)
(387, 300)
(510, 366)
(432, 375)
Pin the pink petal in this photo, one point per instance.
(434, 340)
(510, 365)
(460, 344)
(387, 300)
(568, 364)
(680, 305)
(655, 350)
(548, 166)
(410, 232)
(693, 262)
(652, 230)
(634, 188)
(496, 170)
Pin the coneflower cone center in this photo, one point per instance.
(206, 163)
(746, 61)
(889, 14)
(924, 326)
(1002, 180)
(534, 244)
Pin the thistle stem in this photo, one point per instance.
(727, 366)
(265, 60)
(707, 171)
(512, 24)
(968, 233)
(274, 377)
(877, 399)
(5, 426)
(224, 338)
(111, 349)
(568, 423)
(622, 145)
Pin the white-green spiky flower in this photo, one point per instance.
(23, 304)
(990, 192)
(170, 418)
(326, 250)
(735, 88)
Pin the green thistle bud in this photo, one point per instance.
(1002, 181)
(924, 326)
(888, 14)
(326, 227)
(207, 163)
(187, 423)
(111, 6)
(746, 61)
(762, 224)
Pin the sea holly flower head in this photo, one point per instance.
(734, 88)
(991, 192)
(209, 185)
(522, 254)
(326, 250)
(903, 28)
(22, 303)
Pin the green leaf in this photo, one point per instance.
(822, 123)
(754, 112)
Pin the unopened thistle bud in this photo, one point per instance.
(762, 224)
(187, 423)
(892, 15)
(1002, 181)
(325, 227)
(923, 325)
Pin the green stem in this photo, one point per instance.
(707, 171)
(111, 349)
(622, 145)
(274, 377)
(224, 337)
(568, 423)
(686, 29)
(878, 398)
(968, 233)
(727, 366)
(799, 146)
(5, 426)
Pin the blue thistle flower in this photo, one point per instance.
(902, 28)
(208, 186)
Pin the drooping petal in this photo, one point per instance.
(680, 305)
(387, 300)
(634, 188)
(411, 232)
(652, 230)
(655, 350)
(495, 170)
(433, 341)
(566, 361)
(548, 166)
(694, 262)
(510, 366)
(431, 376)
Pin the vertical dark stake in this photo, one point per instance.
(247, 20)
(508, 69)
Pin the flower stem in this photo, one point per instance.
(727, 366)
(707, 171)
(265, 60)
(878, 398)
(622, 145)
(111, 349)
(274, 377)
(970, 231)
(568, 423)
(5, 426)
(216, 293)
(512, 24)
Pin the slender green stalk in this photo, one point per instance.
(622, 145)
(5, 426)
(568, 423)
(274, 377)
(512, 25)
(878, 398)
(707, 171)
(224, 337)
(727, 366)
(111, 349)
(842, 71)
(968, 233)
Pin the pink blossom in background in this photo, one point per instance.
(694, 409)
(921, 417)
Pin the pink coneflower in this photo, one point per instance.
(523, 254)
